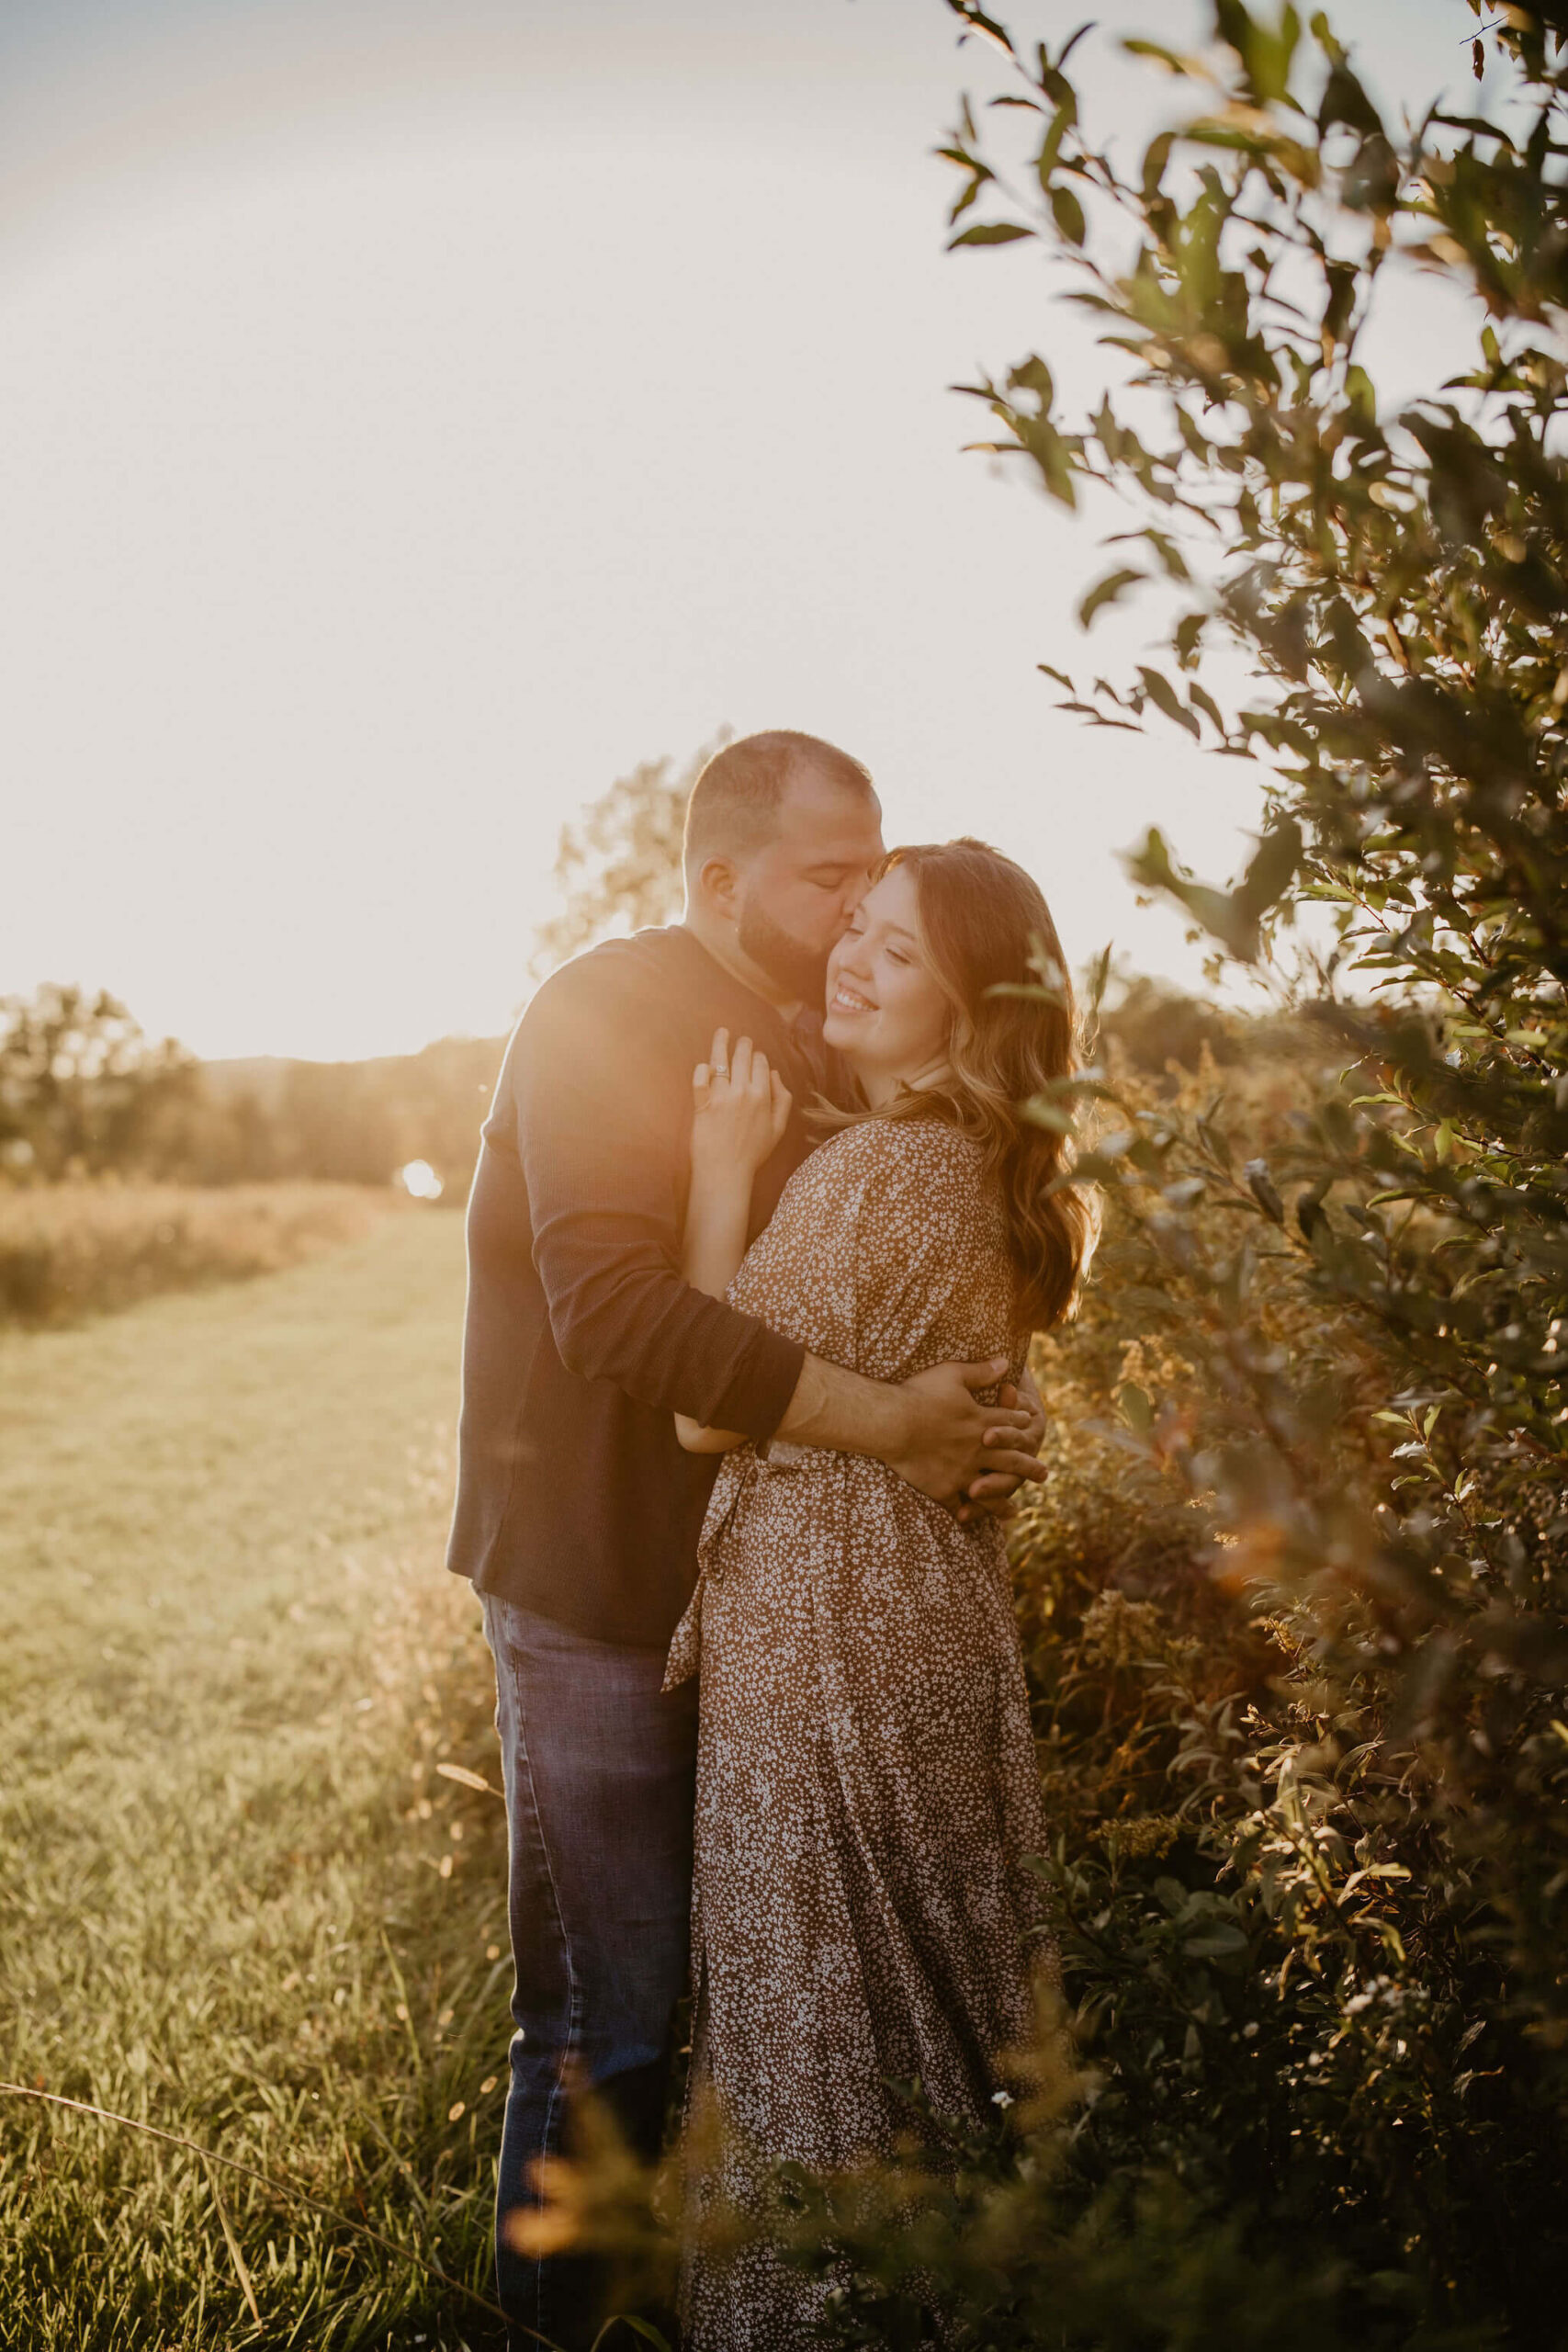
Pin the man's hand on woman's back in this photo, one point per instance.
(931, 1428)
(994, 1493)
(953, 1443)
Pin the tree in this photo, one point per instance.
(83, 1089)
(619, 869)
(1304, 1711)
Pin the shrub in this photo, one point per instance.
(1294, 1604)
(68, 1251)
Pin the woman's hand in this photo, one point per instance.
(741, 1108)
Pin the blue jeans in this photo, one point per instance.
(599, 1768)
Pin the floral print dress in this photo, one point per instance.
(867, 1792)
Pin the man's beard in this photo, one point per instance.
(789, 963)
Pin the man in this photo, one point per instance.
(578, 1513)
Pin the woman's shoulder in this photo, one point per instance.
(922, 1225)
(902, 1151)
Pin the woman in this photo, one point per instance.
(866, 1787)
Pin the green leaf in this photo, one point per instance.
(1260, 1184)
(1162, 695)
(1068, 215)
(992, 233)
(1133, 1403)
(1361, 395)
(1273, 869)
(976, 21)
(1108, 590)
(1232, 917)
(1032, 375)
(1172, 59)
(1202, 700)
(1215, 1943)
(1066, 114)
(1156, 155)
(1310, 1217)
(966, 197)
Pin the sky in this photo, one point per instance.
(415, 416)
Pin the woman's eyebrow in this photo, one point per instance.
(889, 930)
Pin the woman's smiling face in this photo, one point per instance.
(887, 1014)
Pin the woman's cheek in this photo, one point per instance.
(924, 1017)
(894, 996)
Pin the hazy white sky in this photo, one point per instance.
(414, 415)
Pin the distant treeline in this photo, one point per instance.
(353, 1122)
(84, 1092)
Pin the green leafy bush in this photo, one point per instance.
(1294, 1603)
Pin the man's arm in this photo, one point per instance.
(600, 1098)
(931, 1428)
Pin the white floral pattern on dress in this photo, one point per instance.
(867, 1789)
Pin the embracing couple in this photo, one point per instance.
(766, 1732)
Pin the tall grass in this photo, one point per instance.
(72, 1249)
(242, 1903)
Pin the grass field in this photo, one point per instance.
(240, 1901)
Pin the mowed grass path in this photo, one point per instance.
(237, 1899)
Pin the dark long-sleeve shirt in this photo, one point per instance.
(582, 1341)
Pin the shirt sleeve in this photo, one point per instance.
(600, 1101)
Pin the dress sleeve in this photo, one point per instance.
(931, 1283)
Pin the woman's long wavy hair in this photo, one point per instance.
(985, 927)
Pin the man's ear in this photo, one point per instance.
(718, 888)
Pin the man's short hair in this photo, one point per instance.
(734, 807)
